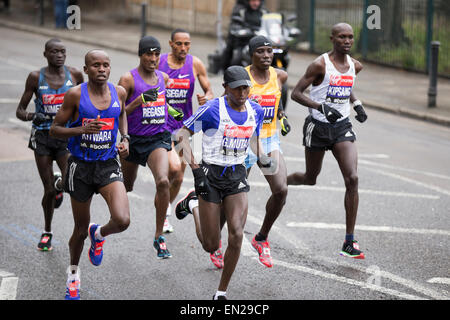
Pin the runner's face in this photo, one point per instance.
(237, 96)
(180, 45)
(98, 67)
(262, 57)
(150, 60)
(254, 4)
(56, 55)
(343, 40)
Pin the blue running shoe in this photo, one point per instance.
(161, 248)
(96, 249)
(73, 290)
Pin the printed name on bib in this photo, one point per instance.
(101, 140)
(267, 102)
(52, 102)
(236, 139)
(154, 112)
(177, 91)
(340, 89)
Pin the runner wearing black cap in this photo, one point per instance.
(266, 90)
(150, 140)
(230, 124)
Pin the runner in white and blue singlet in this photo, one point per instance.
(230, 124)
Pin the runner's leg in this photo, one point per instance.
(45, 168)
(158, 163)
(347, 157)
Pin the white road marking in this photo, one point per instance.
(439, 280)
(9, 101)
(412, 181)
(322, 225)
(12, 82)
(364, 285)
(8, 286)
(387, 166)
(18, 64)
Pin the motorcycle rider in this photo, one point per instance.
(248, 11)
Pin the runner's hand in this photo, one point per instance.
(176, 113)
(39, 118)
(123, 148)
(285, 126)
(361, 115)
(268, 164)
(330, 113)
(150, 95)
(200, 182)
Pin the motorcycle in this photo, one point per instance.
(273, 27)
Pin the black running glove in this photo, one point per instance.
(150, 95)
(39, 118)
(285, 126)
(200, 182)
(361, 115)
(176, 113)
(268, 164)
(330, 113)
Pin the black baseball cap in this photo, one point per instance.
(258, 41)
(149, 43)
(236, 76)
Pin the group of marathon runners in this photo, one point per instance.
(99, 133)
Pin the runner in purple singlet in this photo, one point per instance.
(182, 69)
(150, 141)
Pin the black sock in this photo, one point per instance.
(260, 237)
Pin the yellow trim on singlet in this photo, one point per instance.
(270, 88)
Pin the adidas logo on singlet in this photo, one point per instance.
(115, 105)
(69, 83)
(43, 88)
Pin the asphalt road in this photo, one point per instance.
(403, 222)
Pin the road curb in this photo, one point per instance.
(402, 111)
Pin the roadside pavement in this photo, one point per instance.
(388, 89)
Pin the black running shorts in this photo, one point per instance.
(321, 136)
(44, 145)
(140, 147)
(225, 181)
(83, 178)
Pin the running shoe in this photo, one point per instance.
(46, 242)
(351, 250)
(182, 208)
(217, 257)
(221, 297)
(263, 249)
(161, 249)
(96, 249)
(167, 228)
(59, 192)
(73, 290)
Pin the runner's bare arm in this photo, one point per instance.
(30, 88)
(123, 123)
(313, 74)
(202, 76)
(183, 145)
(282, 77)
(69, 111)
(77, 75)
(127, 82)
